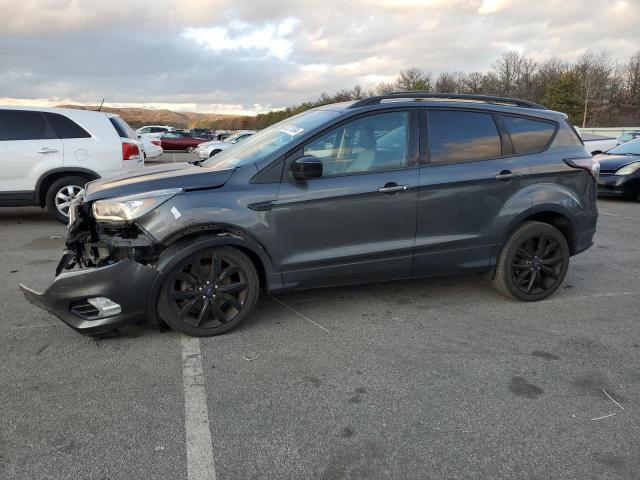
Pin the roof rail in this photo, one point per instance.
(446, 96)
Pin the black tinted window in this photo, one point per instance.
(462, 136)
(528, 136)
(123, 128)
(24, 125)
(65, 127)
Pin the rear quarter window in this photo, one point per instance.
(65, 127)
(24, 125)
(123, 128)
(527, 135)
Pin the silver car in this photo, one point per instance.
(209, 149)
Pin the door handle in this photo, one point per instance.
(508, 175)
(393, 188)
(47, 150)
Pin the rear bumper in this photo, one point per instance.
(126, 283)
(584, 240)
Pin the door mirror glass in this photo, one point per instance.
(306, 167)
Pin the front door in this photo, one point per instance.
(357, 222)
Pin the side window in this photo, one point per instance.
(158, 130)
(146, 130)
(358, 146)
(24, 125)
(460, 136)
(528, 136)
(65, 127)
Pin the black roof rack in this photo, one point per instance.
(446, 96)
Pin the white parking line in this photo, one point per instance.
(200, 464)
(619, 216)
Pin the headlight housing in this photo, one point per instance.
(628, 169)
(131, 207)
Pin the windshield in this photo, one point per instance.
(277, 136)
(629, 148)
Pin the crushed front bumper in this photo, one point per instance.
(126, 283)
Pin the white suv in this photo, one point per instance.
(47, 155)
(155, 131)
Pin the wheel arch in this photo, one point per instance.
(551, 214)
(47, 179)
(187, 242)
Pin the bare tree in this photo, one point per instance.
(507, 69)
(414, 79)
(447, 83)
(631, 80)
(473, 83)
(385, 87)
(593, 74)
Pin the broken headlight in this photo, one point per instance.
(131, 207)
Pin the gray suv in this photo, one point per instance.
(389, 187)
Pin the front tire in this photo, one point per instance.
(61, 193)
(209, 292)
(533, 262)
(215, 152)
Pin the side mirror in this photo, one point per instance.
(306, 167)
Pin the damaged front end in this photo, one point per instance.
(104, 278)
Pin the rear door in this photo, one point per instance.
(29, 147)
(357, 222)
(469, 174)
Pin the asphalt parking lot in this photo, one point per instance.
(436, 378)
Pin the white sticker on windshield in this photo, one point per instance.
(176, 212)
(291, 130)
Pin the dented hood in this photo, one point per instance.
(172, 175)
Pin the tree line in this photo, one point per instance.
(594, 90)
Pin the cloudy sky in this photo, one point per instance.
(246, 56)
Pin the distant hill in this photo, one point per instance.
(137, 117)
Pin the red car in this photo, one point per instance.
(179, 141)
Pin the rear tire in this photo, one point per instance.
(191, 149)
(60, 194)
(210, 292)
(533, 262)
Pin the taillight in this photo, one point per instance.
(130, 151)
(156, 142)
(589, 164)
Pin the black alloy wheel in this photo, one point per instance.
(537, 264)
(209, 292)
(533, 262)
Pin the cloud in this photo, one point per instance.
(252, 55)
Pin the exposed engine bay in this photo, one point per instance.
(94, 244)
